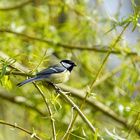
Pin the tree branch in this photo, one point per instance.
(17, 6)
(15, 65)
(67, 46)
(94, 103)
(63, 94)
(81, 94)
(32, 134)
(69, 126)
(49, 110)
(97, 75)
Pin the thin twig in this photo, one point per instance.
(67, 46)
(62, 93)
(49, 110)
(15, 65)
(108, 54)
(81, 93)
(48, 107)
(18, 73)
(67, 131)
(97, 75)
(133, 126)
(76, 115)
(95, 104)
(17, 6)
(32, 134)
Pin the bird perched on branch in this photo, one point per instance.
(54, 74)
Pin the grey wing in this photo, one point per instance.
(51, 70)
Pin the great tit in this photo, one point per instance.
(54, 74)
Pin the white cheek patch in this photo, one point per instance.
(66, 65)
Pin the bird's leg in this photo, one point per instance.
(56, 88)
(59, 90)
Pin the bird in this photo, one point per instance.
(54, 74)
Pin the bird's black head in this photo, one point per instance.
(68, 64)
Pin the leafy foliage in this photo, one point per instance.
(35, 34)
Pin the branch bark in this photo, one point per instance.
(49, 110)
(17, 6)
(32, 134)
(95, 48)
(81, 94)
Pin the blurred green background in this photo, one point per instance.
(101, 37)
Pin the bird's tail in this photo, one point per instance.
(26, 81)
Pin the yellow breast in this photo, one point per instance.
(59, 77)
